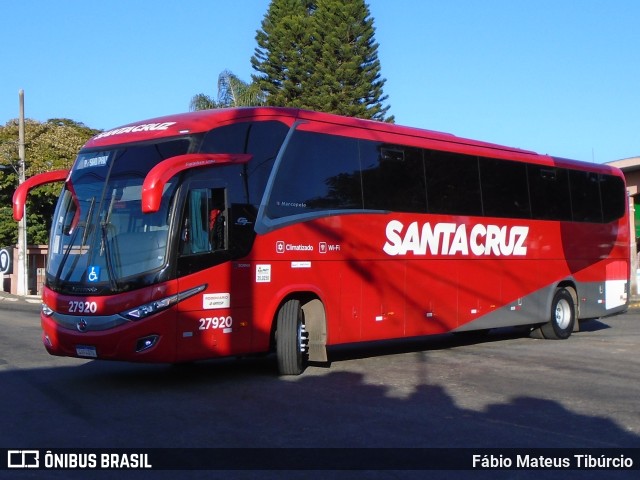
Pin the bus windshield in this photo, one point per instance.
(100, 239)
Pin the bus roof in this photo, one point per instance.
(204, 120)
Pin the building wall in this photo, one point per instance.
(631, 169)
(36, 261)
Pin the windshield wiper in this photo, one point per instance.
(88, 222)
(106, 248)
(67, 251)
(72, 242)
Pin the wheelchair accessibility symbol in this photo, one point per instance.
(94, 274)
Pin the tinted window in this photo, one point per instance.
(265, 139)
(453, 184)
(262, 139)
(393, 178)
(504, 188)
(585, 196)
(228, 139)
(614, 197)
(325, 172)
(317, 172)
(549, 193)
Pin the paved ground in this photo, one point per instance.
(503, 391)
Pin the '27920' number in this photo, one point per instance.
(83, 307)
(215, 322)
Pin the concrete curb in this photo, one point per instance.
(15, 302)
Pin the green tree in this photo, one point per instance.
(320, 55)
(51, 145)
(286, 53)
(232, 92)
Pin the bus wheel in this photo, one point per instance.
(292, 339)
(563, 317)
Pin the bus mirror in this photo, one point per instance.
(159, 175)
(20, 195)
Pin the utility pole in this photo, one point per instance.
(23, 288)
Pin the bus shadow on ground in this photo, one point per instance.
(239, 404)
(441, 342)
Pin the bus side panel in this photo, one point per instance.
(480, 288)
(526, 310)
(616, 284)
(599, 266)
(215, 322)
(603, 243)
(432, 290)
(519, 281)
(383, 299)
(294, 275)
(347, 325)
(603, 289)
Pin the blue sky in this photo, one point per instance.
(554, 76)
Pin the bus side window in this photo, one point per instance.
(549, 192)
(204, 226)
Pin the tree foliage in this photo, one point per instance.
(286, 54)
(232, 92)
(320, 55)
(51, 145)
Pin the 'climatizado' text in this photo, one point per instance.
(453, 239)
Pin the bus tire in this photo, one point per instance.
(292, 339)
(563, 316)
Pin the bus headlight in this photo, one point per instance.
(46, 311)
(143, 311)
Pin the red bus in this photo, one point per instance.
(239, 231)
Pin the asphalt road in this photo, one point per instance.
(502, 391)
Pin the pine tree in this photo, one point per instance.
(320, 55)
(284, 45)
